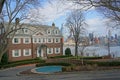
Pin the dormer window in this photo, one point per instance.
(25, 30)
(48, 31)
(56, 32)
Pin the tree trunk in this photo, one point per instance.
(1, 5)
(82, 58)
(76, 49)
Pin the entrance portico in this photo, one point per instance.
(42, 51)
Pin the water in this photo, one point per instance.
(96, 51)
(49, 69)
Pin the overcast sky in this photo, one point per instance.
(57, 11)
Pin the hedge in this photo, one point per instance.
(23, 62)
(64, 56)
(50, 64)
(106, 64)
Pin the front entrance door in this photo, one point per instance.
(40, 52)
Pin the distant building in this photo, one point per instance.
(69, 42)
(35, 41)
(91, 38)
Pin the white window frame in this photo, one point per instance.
(26, 31)
(29, 40)
(19, 53)
(49, 32)
(56, 50)
(34, 40)
(58, 40)
(39, 40)
(13, 41)
(44, 40)
(24, 52)
(56, 32)
(50, 41)
(48, 50)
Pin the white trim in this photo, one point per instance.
(56, 50)
(56, 32)
(29, 40)
(44, 40)
(56, 40)
(50, 39)
(35, 39)
(25, 51)
(26, 31)
(48, 50)
(13, 53)
(19, 40)
(39, 40)
(49, 32)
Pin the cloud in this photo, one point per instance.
(97, 26)
(51, 11)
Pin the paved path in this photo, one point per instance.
(10, 74)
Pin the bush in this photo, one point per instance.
(50, 64)
(92, 58)
(105, 64)
(67, 52)
(4, 59)
(64, 56)
(23, 62)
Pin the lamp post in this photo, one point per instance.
(109, 34)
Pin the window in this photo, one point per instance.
(49, 40)
(27, 52)
(26, 40)
(16, 40)
(57, 50)
(35, 40)
(43, 40)
(49, 50)
(48, 31)
(16, 53)
(39, 40)
(56, 31)
(25, 30)
(57, 40)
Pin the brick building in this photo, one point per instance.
(35, 41)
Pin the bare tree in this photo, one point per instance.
(1, 4)
(76, 25)
(10, 22)
(109, 8)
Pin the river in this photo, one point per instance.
(96, 50)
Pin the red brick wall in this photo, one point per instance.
(33, 48)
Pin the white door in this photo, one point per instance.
(40, 53)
